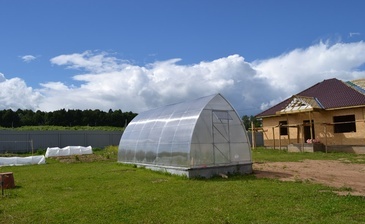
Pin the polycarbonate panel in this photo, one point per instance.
(155, 133)
(218, 103)
(164, 134)
(180, 155)
(201, 155)
(200, 133)
(222, 153)
(167, 136)
(183, 133)
(237, 135)
(221, 133)
(238, 153)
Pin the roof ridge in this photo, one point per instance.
(355, 86)
(318, 83)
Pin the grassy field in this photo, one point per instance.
(268, 155)
(107, 192)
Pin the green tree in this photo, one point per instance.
(63, 117)
(26, 117)
(60, 118)
(10, 119)
(247, 121)
(39, 117)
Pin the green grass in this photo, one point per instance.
(270, 155)
(108, 192)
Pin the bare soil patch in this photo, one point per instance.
(80, 158)
(349, 178)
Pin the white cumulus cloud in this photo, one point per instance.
(15, 94)
(28, 58)
(107, 82)
(138, 88)
(299, 69)
(90, 61)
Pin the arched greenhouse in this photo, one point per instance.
(199, 138)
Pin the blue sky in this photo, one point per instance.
(140, 54)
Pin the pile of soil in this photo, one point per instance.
(349, 178)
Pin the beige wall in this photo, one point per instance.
(323, 133)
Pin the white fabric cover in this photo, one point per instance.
(18, 161)
(68, 150)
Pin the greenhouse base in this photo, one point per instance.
(208, 172)
(202, 172)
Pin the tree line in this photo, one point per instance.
(249, 120)
(19, 118)
(116, 118)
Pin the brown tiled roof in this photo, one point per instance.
(331, 93)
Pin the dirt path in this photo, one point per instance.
(350, 178)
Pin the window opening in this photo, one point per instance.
(283, 127)
(222, 115)
(343, 124)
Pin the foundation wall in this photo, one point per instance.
(203, 172)
(318, 147)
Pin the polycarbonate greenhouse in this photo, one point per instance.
(199, 138)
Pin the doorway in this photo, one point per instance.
(221, 136)
(307, 130)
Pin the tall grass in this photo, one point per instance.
(108, 192)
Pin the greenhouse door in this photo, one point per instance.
(221, 136)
